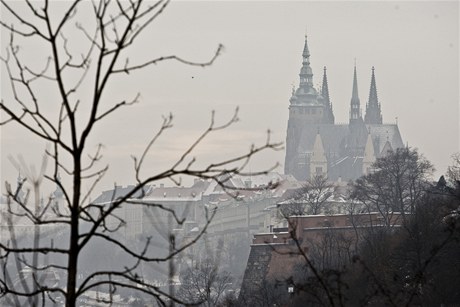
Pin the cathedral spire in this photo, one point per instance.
(306, 52)
(369, 154)
(325, 88)
(373, 111)
(306, 74)
(355, 109)
(327, 101)
(318, 160)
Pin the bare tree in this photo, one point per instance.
(453, 171)
(74, 80)
(332, 249)
(398, 182)
(204, 284)
(311, 199)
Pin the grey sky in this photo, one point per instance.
(413, 46)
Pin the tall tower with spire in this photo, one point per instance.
(373, 111)
(306, 74)
(308, 108)
(355, 107)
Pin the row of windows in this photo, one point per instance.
(307, 111)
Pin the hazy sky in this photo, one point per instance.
(413, 46)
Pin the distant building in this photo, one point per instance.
(238, 211)
(315, 144)
(155, 209)
(152, 215)
(239, 208)
(246, 213)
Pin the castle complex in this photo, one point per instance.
(315, 145)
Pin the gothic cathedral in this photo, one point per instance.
(315, 145)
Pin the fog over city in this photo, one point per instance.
(412, 45)
(229, 153)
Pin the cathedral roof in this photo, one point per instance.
(383, 132)
(331, 135)
(339, 138)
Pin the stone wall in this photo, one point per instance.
(256, 272)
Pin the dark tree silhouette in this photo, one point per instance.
(312, 198)
(410, 262)
(204, 284)
(74, 81)
(398, 181)
(453, 171)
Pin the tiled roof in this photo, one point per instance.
(117, 192)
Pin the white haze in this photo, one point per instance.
(413, 46)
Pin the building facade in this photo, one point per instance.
(316, 145)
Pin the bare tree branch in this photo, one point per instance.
(68, 214)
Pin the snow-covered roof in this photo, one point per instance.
(243, 183)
